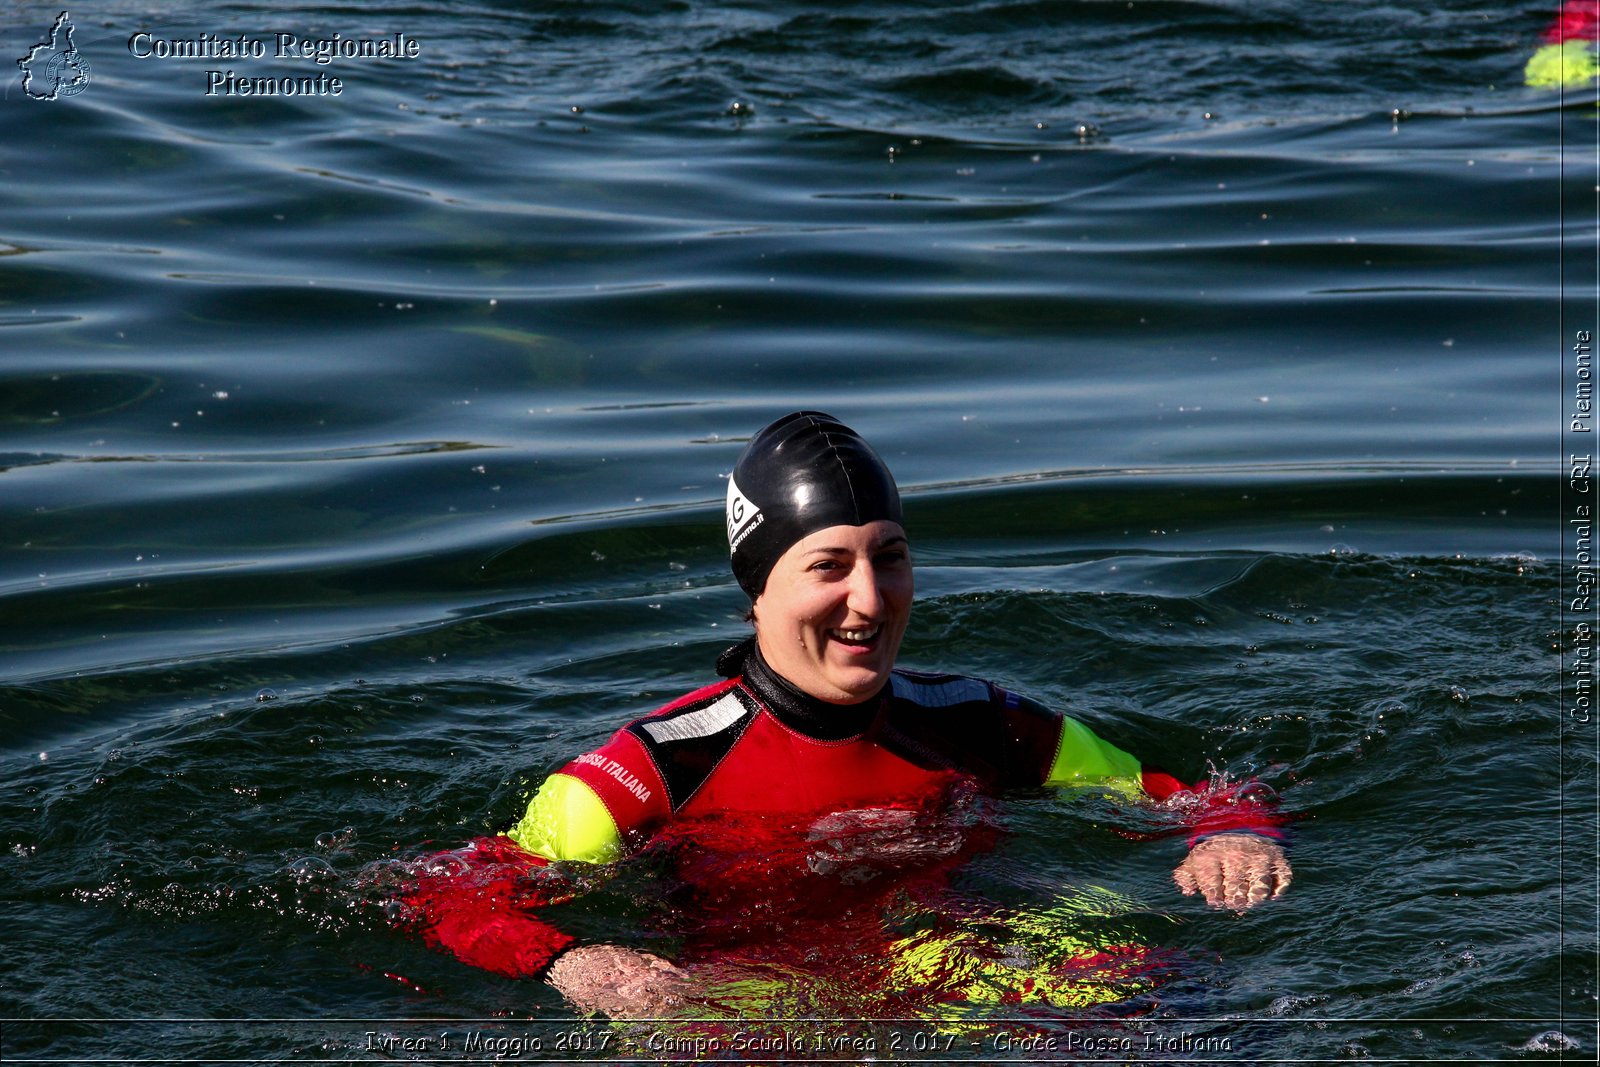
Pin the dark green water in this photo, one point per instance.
(361, 460)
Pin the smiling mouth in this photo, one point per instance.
(861, 637)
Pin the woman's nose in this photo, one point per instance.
(865, 596)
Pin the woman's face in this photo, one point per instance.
(835, 608)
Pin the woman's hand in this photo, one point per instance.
(1235, 870)
(620, 982)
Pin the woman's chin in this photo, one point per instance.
(856, 682)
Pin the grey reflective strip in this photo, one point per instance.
(939, 694)
(703, 723)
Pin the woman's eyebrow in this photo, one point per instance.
(877, 546)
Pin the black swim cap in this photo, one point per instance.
(804, 473)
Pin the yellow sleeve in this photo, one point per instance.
(1568, 63)
(1083, 759)
(566, 820)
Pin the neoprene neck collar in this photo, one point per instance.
(803, 712)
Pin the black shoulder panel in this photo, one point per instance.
(687, 743)
(979, 728)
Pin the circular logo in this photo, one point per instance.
(68, 72)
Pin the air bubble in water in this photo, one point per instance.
(310, 868)
(332, 839)
(264, 695)
(1549, 1041)
(447, 864)
(1255, 793)
(1459, 695)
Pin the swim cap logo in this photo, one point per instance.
(743, 515)
(64, 73)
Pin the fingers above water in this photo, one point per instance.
(1236, 871)
(620, 983)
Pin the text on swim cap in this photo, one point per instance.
(743, 515)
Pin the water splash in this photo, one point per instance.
(1551, 1041)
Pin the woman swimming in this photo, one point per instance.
(815, 748)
